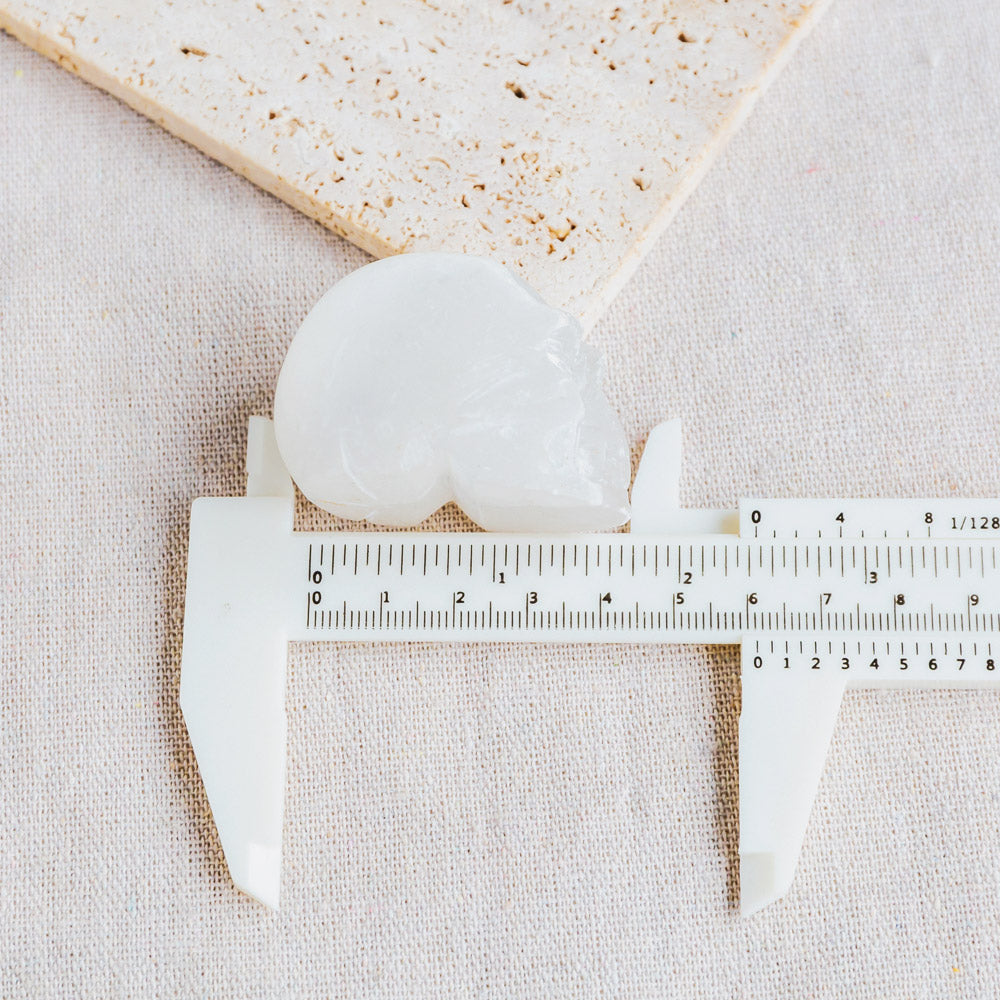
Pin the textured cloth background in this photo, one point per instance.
(502, 821)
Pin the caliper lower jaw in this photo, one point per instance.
(233, 663)
(786, 723)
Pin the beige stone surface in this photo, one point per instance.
(558, 138)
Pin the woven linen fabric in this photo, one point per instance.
(495, 820)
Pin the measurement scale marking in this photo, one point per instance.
(709, 603)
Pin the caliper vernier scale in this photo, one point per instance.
(820, 595)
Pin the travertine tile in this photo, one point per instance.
(558, 138)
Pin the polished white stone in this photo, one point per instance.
(425, 378)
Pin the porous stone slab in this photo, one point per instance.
(559, 138)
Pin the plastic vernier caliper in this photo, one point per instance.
(820, 595)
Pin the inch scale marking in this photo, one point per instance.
(820, 595)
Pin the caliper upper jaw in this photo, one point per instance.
(234, 660)
(656, 505)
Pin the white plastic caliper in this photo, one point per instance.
(820, 594)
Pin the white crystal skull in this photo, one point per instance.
(431, 377)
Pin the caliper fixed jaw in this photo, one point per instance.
(233, 663)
